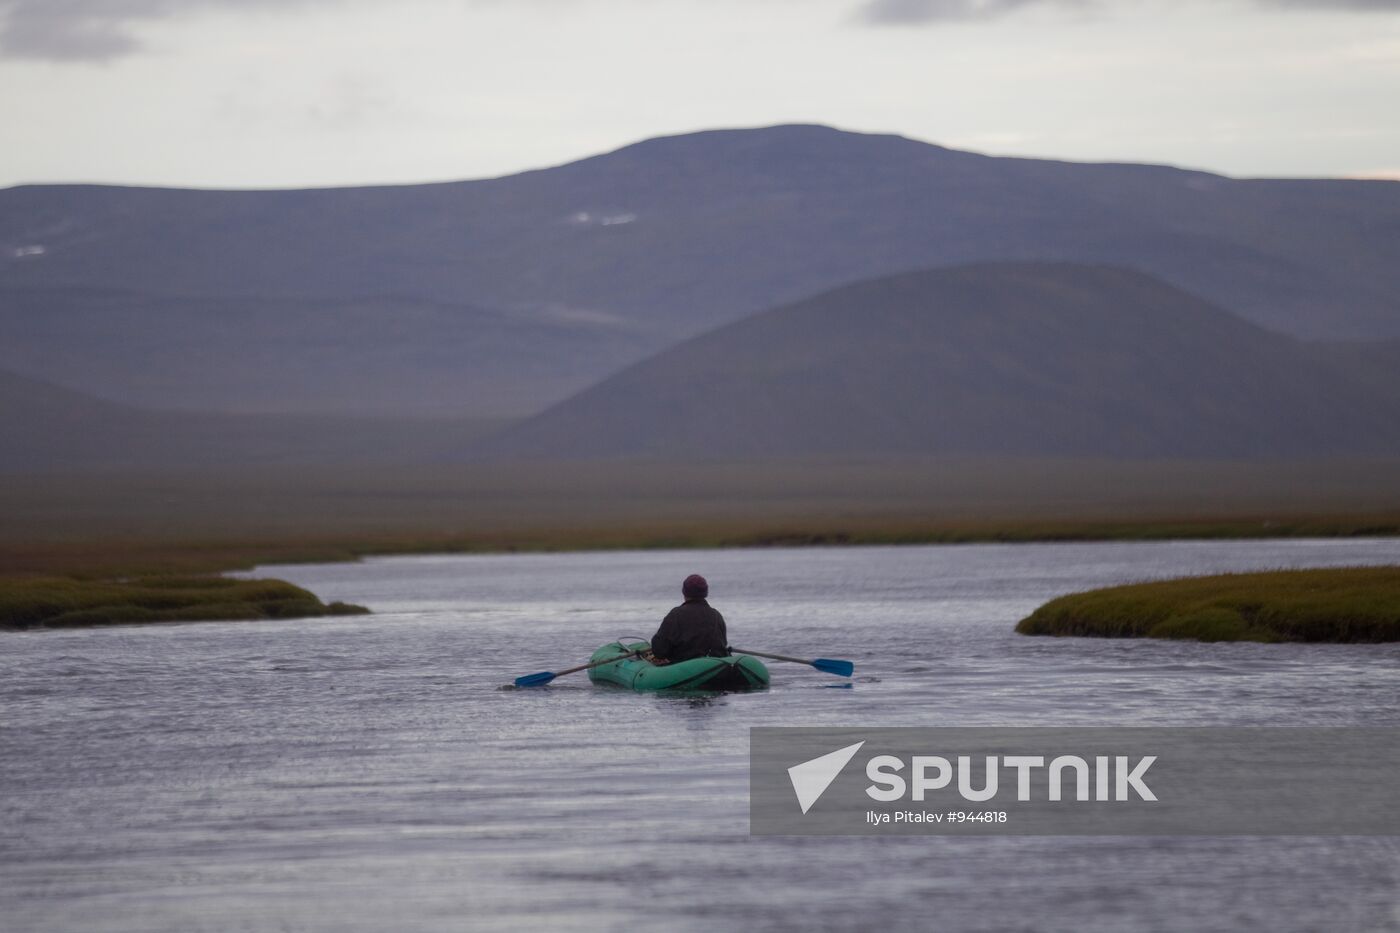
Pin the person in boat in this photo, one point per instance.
(694, 629)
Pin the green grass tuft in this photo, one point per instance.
(1349, 604)
(53, 602)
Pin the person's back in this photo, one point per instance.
(694, 629)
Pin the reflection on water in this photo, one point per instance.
(368, 774)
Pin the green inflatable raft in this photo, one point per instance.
(736, 672)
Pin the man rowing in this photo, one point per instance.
(694, 629)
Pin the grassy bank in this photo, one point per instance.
(68, 603)
(59, 531)
(102, 557)
(1352, 604)
(136, 523)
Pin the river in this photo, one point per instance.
(371, 774)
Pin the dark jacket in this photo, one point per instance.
(691, 630)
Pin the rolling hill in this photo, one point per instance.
(1022, 360)
(503, 295)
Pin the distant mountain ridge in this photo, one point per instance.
(503, 295)
(1013, 359)
(1005, 360)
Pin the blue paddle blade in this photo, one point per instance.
(839, 668)
(534, 680)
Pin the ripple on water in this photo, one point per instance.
(369, 773)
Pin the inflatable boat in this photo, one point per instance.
(736, 672)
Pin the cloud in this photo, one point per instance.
(102, 30)
(96, 30)
(1377, 6)
(905, 12)
(913, 12)
(67, 31)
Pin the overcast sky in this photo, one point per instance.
(259, 93)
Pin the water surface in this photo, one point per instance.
(368, 773)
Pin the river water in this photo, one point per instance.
(370, 774)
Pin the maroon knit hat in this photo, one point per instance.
(695, 587)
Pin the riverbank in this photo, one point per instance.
(1351, 604)
(69, 603)
(131, 523)
(101, 557)
(105, 582)
(106, 526)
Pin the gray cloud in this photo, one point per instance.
(101, 30)
(65, 30)
(904, 12)
(1382, 6)
(95, 30)
(907, 12)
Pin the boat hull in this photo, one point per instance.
(736, 672)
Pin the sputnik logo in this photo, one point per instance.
(810, 779)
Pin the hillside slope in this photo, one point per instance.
(1003, 359)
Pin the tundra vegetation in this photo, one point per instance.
(46, 602)
(1348, 604)
(70, 528)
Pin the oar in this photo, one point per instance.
(544, 677)
(825, 665)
